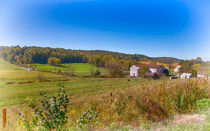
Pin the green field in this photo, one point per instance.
(78, 88)
(203, 67)
(80, 69)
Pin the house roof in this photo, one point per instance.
(149, 66)
(186, 74)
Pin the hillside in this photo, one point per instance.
(202, 67)
(27, 55)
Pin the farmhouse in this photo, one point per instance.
(176, 69)
(136, 69)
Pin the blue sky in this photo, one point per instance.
(173, 28)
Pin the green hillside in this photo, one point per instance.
(10, 72)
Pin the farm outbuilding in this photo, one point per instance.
(176, 69)
(186, 75)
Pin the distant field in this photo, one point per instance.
(10, 72)
(203, 68)
(81, 69)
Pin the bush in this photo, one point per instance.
(25, 82)
(194, 73)
(203, 103)
(51, 113)
(97, 73)
(88, 117)
(10, 83)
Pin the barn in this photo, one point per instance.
(136, 69)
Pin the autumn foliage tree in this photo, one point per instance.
(186, 66)
(115, 69)
(99, 58)
(53, 61)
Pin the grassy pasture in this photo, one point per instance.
(10, 72)
(77, 88)
(84, 68)
(80, 69)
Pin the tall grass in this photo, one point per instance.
(155, 104)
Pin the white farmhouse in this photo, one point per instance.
(186, 75)
(200, 76)
(176, 69)
(134, 71)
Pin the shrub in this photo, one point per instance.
(51, 113)
(25, 82)
(187, 95)
(97, 73)
(194, 73)
(203, 103)
(10, 83)
(88, 117)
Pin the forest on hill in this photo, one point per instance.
(100, 58)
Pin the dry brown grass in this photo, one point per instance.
(151, 102)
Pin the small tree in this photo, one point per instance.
(97, 73)
(53, 61)
(194, 73)
(143, 71)
(186, 66)
(115, 69)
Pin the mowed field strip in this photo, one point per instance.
(80, 69)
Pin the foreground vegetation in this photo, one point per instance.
(98, 103)
(134, 107)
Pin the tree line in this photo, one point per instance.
(28, 55)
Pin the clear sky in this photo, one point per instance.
(173, 28)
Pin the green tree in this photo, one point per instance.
(97, 73)
(194, 73)
(198, 59)
(143, 71)
(115, 69)
(53, 61)
(186, 66)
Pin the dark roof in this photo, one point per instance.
(149, 66)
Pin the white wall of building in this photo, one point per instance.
(177, 68)
(134, 71)
(186, 75)
(153, 70)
